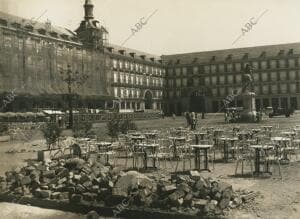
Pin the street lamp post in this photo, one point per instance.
(71, 79)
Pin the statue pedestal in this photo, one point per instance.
(249, 112)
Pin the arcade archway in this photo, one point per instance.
(148, 100)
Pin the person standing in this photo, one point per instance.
(188, 119)
(193, 122)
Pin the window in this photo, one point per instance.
(214, 92)
(184, 82)
(141, 80)
(256, 89)
(291, 63)
(282, 63)
(265, 89)
(273, 63)
(263, 65)
(147, 81)
(238, 78)
(213, 69)
(230, 78)
(207, 81)
(126, 79)
(170, 83)
(121, 78)
(170, 72)
(255, 65)
(293, 88)
(147, 69)
(283, 88)
(273, 76)
(20, 44)
(282, 75)
(177, 70)
(264, 76)
(7, 42)
(256, 77)
(222, 91)
(221, 68)
(115, 63)
(196, 82)
(206, 69)
(195, 70)
(274, 88)
(115, 91)
(115, 77)
(292, 75)
(122, 92)
(184, 71)
(238, 67)
(131, 66)
(229, 67)
(214, 80)
(132, 79)
(120, 64)
(126, 65)
(178, 82)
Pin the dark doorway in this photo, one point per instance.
(266, 103)
(275, 103)
(148, 100)
(215, 106)
(257, 104)
(294, 104)
(284, 103)
(197, 102)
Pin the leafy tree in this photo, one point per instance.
(113, 126)
(51, 132)
(82, 129)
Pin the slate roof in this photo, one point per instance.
(234, 54)
(62, 33)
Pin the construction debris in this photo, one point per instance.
(79, 181)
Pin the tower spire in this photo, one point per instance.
(88, 10)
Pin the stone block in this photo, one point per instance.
(26, 180)
(199, 203)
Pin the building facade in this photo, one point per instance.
(137, 79)
(201, 81)
(35, 56)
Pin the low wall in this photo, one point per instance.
(84, 208)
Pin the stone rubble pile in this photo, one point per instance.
(77, 181)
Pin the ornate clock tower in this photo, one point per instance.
(90, 32)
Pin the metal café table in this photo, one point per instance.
(267, 128)
(226, 146)
(289, 134)
(199, 134)
(153, 148)
(176, 140)
(259, 148)
(198, 148)
(284, 141)
(243, 135)
(151, 135)
(106, 145)
(137, 138)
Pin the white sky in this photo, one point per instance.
(179, 26)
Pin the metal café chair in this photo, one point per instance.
(245, 156)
